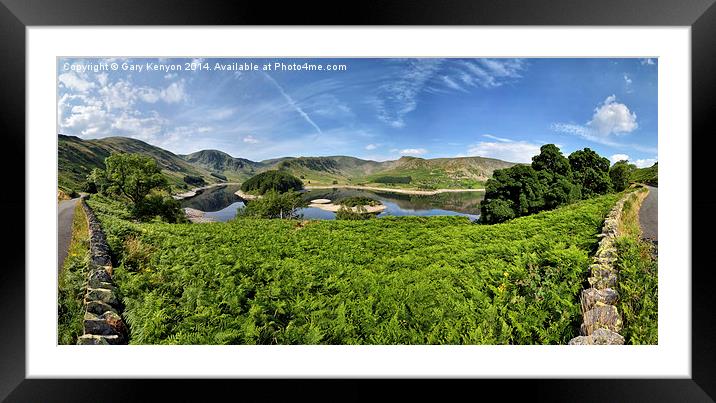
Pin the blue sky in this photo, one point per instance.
(378, 109)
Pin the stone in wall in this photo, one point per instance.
(599, 337)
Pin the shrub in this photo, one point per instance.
(159, 205)
(347, 213)
(358, 201)
(219, 176)
(194, 180)
(274, 205)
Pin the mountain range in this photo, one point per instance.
(77, 158)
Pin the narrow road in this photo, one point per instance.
(648, 215)
(65, 214)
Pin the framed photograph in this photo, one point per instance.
(398, 193)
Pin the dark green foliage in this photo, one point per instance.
(358, 201)
(346, 213)
(132, 176)
(219, 176)
(162, 206)
(521, 190)
(137, 178)
(591, 172)
(274, 205)
(194, 180)
(401, 280)
(279, 181)
(393, 179)
(549, 182)
(620, 174)
(550, 159)
(497, 210)
(561, 191)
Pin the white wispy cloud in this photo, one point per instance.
(250, 139)
(627, 83)
(398, 95)
(413, 151)
(649, 62)
(294, 104)
(618, 157)
(490, 73)
(452, 84)
(371, 147)
(513, 151)
(645, 163)
(74, 82)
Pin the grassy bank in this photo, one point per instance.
(401, 280)
(72, 278)
(638, 278)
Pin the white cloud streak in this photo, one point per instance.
(294, 104)
(502, 139)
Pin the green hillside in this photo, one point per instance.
(77, 158)
(465, 172)
(235, 169)
(649, 175)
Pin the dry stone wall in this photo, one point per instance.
(601, 321)
(103, 323)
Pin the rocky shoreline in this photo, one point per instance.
(196, 216)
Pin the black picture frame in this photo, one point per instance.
(16, 15)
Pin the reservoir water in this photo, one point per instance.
(221, 204)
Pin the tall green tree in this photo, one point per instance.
(555, 173)
(590, 172)
(551, 159)
(620, 174)
(133, 176)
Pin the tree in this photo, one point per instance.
(591, 172)
(496, 211)
(279, 181)
(550, 159)
(521, 190)
(97, 181)
(274, 205)
(620, 173)
(133, 176)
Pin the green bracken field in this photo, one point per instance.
(401, 280)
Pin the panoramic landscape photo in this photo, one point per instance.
(376, 201)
